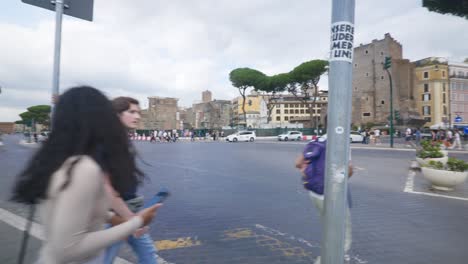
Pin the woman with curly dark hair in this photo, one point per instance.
(73, 176)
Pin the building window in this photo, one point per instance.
(427, 119)
(426, 110)
(367, 52)
(426, 97)
(426, 87)
(286, 105)
(355, 65)
(286, 118)
(278, 118)
(286, 111)
(454, 107)
(296, 105)
(381, 53)
(445, 110)
(452, 86)
(366, 114)
(367, 74)
(296, 111)
(278, 111)
(302, 111)
(355, 88)
(381, 77)
(426, 75)
(443, 98)
(307, 111)
(443, 73)
(382, 102)
(443, 86)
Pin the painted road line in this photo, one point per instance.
(36, 231)
(182, 242)
(409, 188)
(266, 241)
(355, 258)
(410, 181)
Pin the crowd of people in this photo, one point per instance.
(450, 138)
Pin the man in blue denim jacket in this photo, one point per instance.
(312, 165)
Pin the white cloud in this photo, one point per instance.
(180, 48)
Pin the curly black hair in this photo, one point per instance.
(84, 123)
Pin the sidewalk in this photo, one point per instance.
(11, 242)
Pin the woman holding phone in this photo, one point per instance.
(71, 178)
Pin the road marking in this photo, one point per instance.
(410, 182)
(409, 188)
(36, 231)
(183, 242)
(356, 258)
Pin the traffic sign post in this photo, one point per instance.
(82, 9)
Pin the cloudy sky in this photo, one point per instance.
(180, 48)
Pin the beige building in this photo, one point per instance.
(209, 114)
(371, 88)
(458, 78)
(431, 85)
(162, 113)
(7, 127)
(206, 96)
(256, 112)
(290, 110)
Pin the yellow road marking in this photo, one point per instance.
(269, 242)
(182, 242)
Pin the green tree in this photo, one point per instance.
(244, 78)
(305, 78)
(39, 114)
(454, 7)
(272, 87)
(466, 60)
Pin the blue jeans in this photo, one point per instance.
(143, 247)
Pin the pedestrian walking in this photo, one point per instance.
(311, 163)
(418, 137)
(72, 178)
(128, 111)
(408, 137)
(457, 140)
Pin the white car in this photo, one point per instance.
(43, 136)
(353, 137)
(290, 135)
(242, 136)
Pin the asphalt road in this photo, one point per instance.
(244, 203)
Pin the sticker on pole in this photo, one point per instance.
(342, 37)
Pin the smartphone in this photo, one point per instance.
(160, 197)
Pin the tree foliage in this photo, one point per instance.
(40, 114)
(244, 78)
(454, 7)
(299, 81)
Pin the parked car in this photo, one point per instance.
(354, 136)
(242, 136)
(290, 135)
